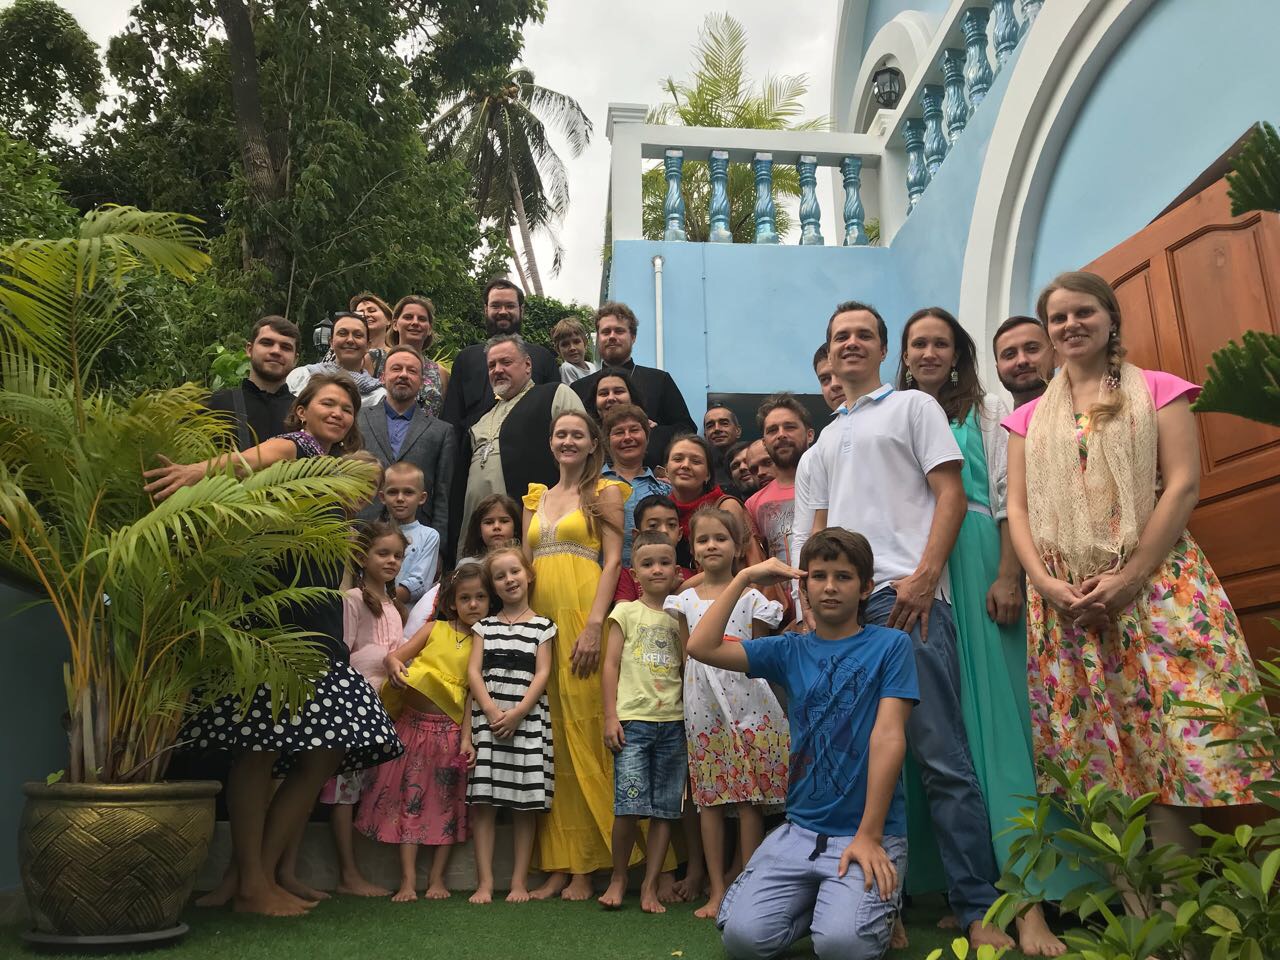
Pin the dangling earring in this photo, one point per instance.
(955, 377)
(909, 378)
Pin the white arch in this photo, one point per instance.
(1063, 55)
(851, 24)
(904, 43)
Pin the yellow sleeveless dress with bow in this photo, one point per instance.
(574, 836)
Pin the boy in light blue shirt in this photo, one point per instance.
(404, 489)
(834, 869)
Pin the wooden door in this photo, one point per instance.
(1187, 284)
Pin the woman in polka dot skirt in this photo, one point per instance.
(342, 728)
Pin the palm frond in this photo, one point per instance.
(1244, 379)
(1254, 184)
(60, 298)
(159, 601)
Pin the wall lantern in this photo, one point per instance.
(321, 335)
(886, 87)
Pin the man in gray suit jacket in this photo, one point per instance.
(398, 429)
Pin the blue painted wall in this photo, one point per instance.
(32, 703)
(1187, 82)
(880, 12)
(930, 246)
(746, 318)
(740, 317)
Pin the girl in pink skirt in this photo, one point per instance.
(420, 798)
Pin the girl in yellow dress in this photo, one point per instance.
(573, 536)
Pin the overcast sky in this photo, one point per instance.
(603, 51)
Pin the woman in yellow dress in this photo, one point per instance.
(573, 535)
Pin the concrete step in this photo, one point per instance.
(380, 862)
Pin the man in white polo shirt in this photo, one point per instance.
(888, 467)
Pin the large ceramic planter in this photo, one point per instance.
(112, 863)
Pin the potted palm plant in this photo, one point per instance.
(163, 607)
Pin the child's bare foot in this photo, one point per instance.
(518, 894)
(711, 908)
(650, 902)
(482, 895)
(221, 895)
(612, 898)
(579, 888)
(551, 887)
(1035, 939)
(690, 888)
(292, 884)
(437, 891)
(982, 933)
(357, 886)
(948, 921)
(898, 939)
(406, 894)
(667, 888)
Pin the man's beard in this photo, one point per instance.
(787, 458)
(265, 376)
(1035, 386)
(491, 327)
(402, 393)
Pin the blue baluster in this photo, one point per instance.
(1030, 10)
(673, 203)
(719, 165)
(1005, 32)
(765, 210)
(810, 215)
(953, 102)
(917, 171)
(977, 68)
(935, 143)
(855, 234)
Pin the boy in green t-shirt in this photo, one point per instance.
(644, 719)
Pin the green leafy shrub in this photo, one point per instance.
(1222, 903)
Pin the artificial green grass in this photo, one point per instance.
(350, 928)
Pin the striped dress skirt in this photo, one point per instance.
(517, 771)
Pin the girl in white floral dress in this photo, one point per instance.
(736, 729)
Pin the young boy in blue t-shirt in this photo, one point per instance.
(832, 870)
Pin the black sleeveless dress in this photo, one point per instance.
(344, 712)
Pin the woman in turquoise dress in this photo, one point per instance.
(986, 598)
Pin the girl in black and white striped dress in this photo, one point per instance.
(510, 723)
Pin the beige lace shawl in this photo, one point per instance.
(1090, 519)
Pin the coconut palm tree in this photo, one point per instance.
(498, 130)
(720, 93)
(155, 602)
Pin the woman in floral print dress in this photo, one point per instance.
(1125, 617)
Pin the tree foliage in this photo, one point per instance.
(31, 202)
(355, 202)
(50, 76)
(720, 93)
(498, 130)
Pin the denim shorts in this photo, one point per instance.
(649, 771)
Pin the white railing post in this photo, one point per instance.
(623, 128)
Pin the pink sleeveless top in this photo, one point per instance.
(1165, 388)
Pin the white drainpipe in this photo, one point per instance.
(657, 311)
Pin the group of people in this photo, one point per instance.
(647, 644)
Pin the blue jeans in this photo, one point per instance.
(789, 890)
(649, 771)
(936, 736)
